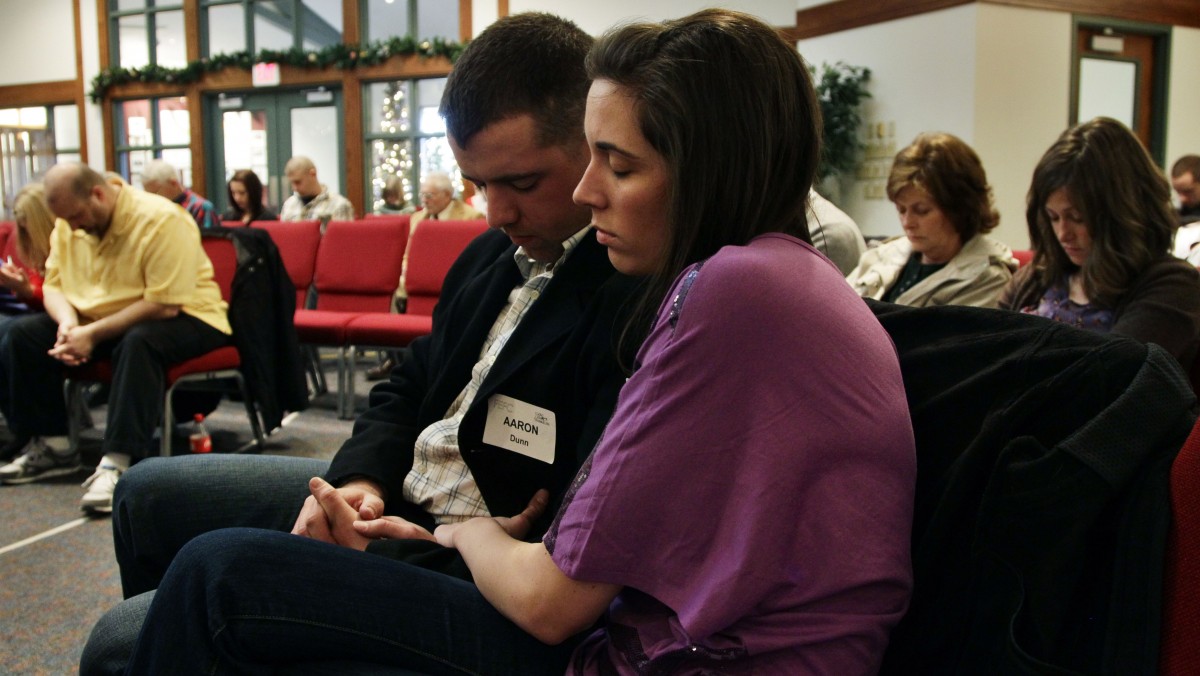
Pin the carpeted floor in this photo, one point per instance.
(53, 589)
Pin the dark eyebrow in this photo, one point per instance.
(507, 178)
(614, 148)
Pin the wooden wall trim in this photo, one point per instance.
(464, 20)
(40, 94)
(841, 15)
(80, 93)
(106, 109)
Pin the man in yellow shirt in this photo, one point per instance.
(127, 280)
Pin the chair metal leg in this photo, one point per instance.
(345, 382)
(73, 397)
(168, 422)
(252, 413)
(312, 358)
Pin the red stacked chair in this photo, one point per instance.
(1180, 651)
(358, 265)
(434, 247)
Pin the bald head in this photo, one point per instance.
(80, 196)
(302, 175)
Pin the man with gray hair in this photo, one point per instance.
(438, 203)
(162, 178)
(312, 200)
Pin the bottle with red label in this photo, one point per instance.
(200, 440)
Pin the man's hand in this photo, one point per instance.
(363, 497)
(74, 344)
(516, 526)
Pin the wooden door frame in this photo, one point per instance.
(1160, 76)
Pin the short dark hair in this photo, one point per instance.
(254, 189)
(944, 166)
(732, 109)
(1188, 164)
(1125, 201)
(525, 63)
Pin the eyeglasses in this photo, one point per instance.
(428, 195)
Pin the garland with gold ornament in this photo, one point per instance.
(341, 55)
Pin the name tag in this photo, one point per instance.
(521, 428)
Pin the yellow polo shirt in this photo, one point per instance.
(151, 251)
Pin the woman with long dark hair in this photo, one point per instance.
(246, 199)
(1101, 225)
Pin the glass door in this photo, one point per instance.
(261, 131)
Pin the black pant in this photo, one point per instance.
(31, 395)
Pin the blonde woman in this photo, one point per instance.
(22, 276)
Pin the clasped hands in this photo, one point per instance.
(352, 516)
(73, 345)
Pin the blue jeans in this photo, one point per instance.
(384, 613)
(249, 601)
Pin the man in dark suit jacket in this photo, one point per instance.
(506, 397)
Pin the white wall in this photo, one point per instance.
(38, 43)
(1022, 102)
(1183, 108)
(91, 67)
(597, 17)
(922, 79)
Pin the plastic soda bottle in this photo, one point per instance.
(200, 439)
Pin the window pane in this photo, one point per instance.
(10, 117)
(387, 106)
(272, 25)
(130, 4)
(437, 18)
(131, 163)
(173, 121)
(33, 118)
(385, 19)
(66, 126)
(181, 159)
(314, 131)
(321, 23)
(132, 41)
(68, 157)
(429, 96)
(171, 52)
(226, 29)
(436, 156)
(135, 123)
(391, 157)
(245, 135)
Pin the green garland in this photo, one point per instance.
(340, 55)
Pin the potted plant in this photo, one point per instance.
(841, 89)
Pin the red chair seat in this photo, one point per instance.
(389, 330)
(220, 359)
(322, 327)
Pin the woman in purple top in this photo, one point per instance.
(748, 508)
(1101, 224)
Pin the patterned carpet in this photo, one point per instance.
(54, 589)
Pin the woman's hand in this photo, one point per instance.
(516, 526)
(14, 279)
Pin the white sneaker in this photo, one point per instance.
(100, 485)
(38, 462)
